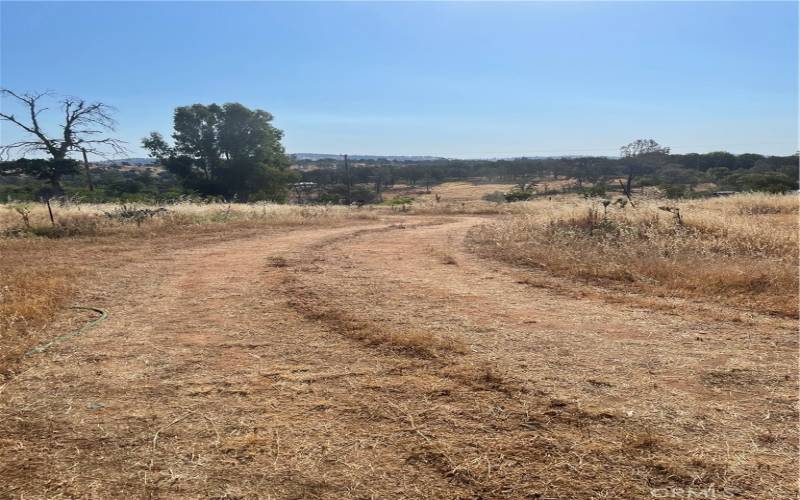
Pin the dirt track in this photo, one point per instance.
(262, 368)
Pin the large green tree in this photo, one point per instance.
(227, 150)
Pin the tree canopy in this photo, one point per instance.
(641, 147)
(227, 150)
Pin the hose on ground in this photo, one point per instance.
(44, 347)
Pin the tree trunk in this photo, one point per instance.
(89, 184)
(55, 183)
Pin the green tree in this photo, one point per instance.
(640, 157)
(226, 150)
(772, 182)
(642, 147)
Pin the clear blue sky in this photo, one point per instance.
(453, 79)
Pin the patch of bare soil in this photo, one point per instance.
(383, 361)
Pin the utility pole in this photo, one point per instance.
(347, 176)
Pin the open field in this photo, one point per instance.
(742, 250)
(43, 265)
(473, 351)
(450, 192)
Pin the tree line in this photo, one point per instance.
(678, 173)
(232, 152)
(227, 151)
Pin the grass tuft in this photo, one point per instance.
(740, 250)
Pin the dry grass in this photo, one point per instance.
(740, 250)
(75, 219)
(449, 192)
(311, 364)
(465, 198)
(415, 342)
(587, 415)
(35, 281)
(475, 207)
(42, 265)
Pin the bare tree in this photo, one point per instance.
(83, 130)
(633, 155)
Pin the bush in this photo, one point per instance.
(756, 181)
(598, 190)
(674, 192)
(519, 194)
(400, 200)
(495, 197)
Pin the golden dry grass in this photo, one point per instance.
(358, 362)
(592, 412)
(451, 192)
(41, 265)
(91, 219)
(740, 250)
(414, 342)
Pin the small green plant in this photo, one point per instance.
(124, 213)
(400, 200)
(605, 203)
(595, 191)
(674, 192)
(520, 193)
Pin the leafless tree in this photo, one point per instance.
(84, 128)
(632, 154)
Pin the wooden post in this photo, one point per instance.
(50, 211)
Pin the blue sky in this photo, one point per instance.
(452, 79)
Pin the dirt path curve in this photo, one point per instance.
(385, 361)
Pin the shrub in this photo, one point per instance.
(674, 192)
(495, 197)
(597, 190)
(519, 194)
(400, 200)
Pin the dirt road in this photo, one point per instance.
(384, 361)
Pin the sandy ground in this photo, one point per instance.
(267, 367)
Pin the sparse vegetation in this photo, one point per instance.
(41, 263)
(521, 310)
(495, 197)
(396, 329)
(740, 250)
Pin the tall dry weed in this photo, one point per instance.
(742, 250)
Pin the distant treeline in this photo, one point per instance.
(232, 152)
(745, 172)
(678, 175)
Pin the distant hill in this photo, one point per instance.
(128, 161)
(326, 156)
